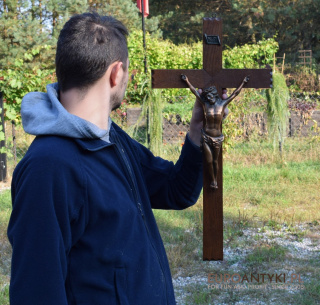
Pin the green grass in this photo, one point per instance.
(262, 192)
(5, 249)
(265, 254)
(199, 295)
(258, 182)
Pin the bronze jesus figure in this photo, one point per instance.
(212, 137)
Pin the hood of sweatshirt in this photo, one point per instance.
(43, 114)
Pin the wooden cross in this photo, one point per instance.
(212, 74)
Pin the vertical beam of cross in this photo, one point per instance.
(212, 198)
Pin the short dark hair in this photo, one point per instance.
(88, 44)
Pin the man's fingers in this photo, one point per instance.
(226, 112)
(224, 97)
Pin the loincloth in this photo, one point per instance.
(211, 141)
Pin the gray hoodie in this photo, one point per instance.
(43, 114)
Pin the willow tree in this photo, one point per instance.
(277, 110)
(152, 107)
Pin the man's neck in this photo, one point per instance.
(92, 105)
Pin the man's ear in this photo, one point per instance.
(115, 75)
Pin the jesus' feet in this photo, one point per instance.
(213, 185)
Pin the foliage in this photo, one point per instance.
(179, 108)
(26, 25)
(295, 22)
(181, 20)
(232, 124)
(151, 111)
(304, 86)
(240, 57)
(127, 12)
(251, 55)
(277, 109)
(161, 54)
(303, 103)
(303, 79)
(153, 107)
(17, 81)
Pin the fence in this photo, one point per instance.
(302, 122)
(3, 156)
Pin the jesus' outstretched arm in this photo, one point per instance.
(193, 89)
(237, 91)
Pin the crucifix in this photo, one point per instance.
(211, 75)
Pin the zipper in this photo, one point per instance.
(134, 189)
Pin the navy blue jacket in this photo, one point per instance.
(82, 227)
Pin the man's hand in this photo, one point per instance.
(196, 123)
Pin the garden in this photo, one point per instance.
(271, 169)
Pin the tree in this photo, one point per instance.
(19, 32)
(293, 21)
(126, 11)
(181, 20)
(25, 25)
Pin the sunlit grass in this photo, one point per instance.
(5, 248)
(264, 186)
(260, 189)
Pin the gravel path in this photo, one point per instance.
(301, 243)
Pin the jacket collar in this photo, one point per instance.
(97, 144)
(93, 144)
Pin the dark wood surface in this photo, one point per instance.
(213, 198)
(212, 74)
(227, 78)
(172, 78)
(212, 54)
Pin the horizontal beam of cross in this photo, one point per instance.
(202, 79)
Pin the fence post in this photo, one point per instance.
(3, 156)
(14, 142)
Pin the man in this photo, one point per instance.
(82, 228)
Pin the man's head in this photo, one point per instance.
(88, 44)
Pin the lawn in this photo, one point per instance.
(271, 227)
(5, 249)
